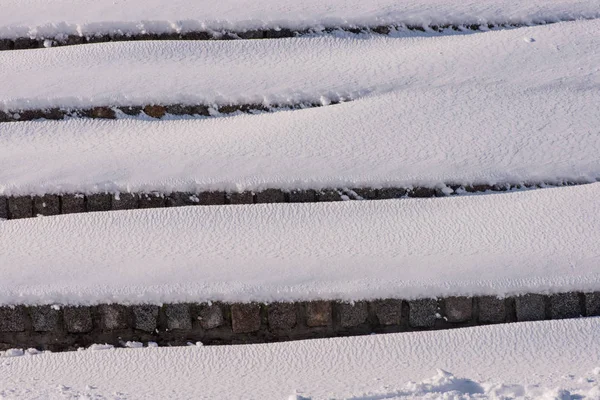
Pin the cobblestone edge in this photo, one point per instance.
(61, 328)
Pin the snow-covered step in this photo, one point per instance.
(539, 241)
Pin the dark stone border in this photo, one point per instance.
(29, 206)
(157, 111)
(23, 43)
(67, 328)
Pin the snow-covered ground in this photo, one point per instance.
(536, 241)
(538, 360)
(49, 18)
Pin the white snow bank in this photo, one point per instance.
(540, 360)
(562, 59)
(44, 18)
(538, 241)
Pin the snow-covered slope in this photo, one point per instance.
(539, 360)
(48, 18)
(537, 241)
(493, 64)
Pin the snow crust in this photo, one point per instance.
(50, 18)
(538, 360)
(542, 241)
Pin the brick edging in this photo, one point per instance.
(18, 207)
(59, 328)
(23, 43)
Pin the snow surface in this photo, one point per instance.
(538, 360)
(537, 241)
(49, 18)
(490, 66)
(481, 108)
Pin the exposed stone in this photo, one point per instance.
(20, 207)
(302, 196)
(592, 304)
(270, 196)
(77, 319)
(245, 318)
(251, 34)
(102, 112)
(73, 40)
(229, 108)
(54, 114)
(240, 198)
(421, 192)
(30, 115)
(458, 309)
(25, 43)
(180, 199)
(99, 202)
(366, 194)
(45, 318)
(491, 309)
(282, 316)
(12, 319)
(145, 317)
(152, 200)
(3, 207)
(565, 305)
(98, 39)
(388, 312)
(6, 44)
(211, 198)
(178, 316)
(124, 201)
(382, 30)
(72, 203)
(131, 110)
(329, 195)
(196, 36)
(422, 313)
(352, 315)
(46, 205)
(155, 111)
(211, 316)
(278, 33)
(114, 316)
(530, 307)
(318, 313)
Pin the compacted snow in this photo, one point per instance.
(539, 360)
(536, 241)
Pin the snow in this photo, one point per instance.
(539, 241)
(50, 18)
(266, 71)
(537, 360)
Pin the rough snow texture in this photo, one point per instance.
(44, 18)
(526, 242)
(541, 360)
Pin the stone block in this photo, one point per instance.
(565, 305)
(145, 317)
(278, 33)
(491, 309)
(318, 313)
(114, 317)
(251, 34)
(351, 315)
(25, 43)
(229, 108)
(211, 198)
(270, 196)
(12, 319)
(240, 198)
(72, 203)
(46, 205)
(282, 316)
(592, 304)
(530, 307)
(388, 312)
(54, 114)
(102, 112)
(180, 199)
(366, 193)
(211, 316)
(178, 316)
(45, 318)
(421, 192)
(20, 207)
(6, 44)
(124, 201)
(458, 309)
(245, 318)
(155, 111)
(151, 200)
(75, 39)
(422, 313)
(197, 35)
(99, 202)
(77, 319)
(3, 207)
(131, 110)
(329, 195)
(302, 196)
